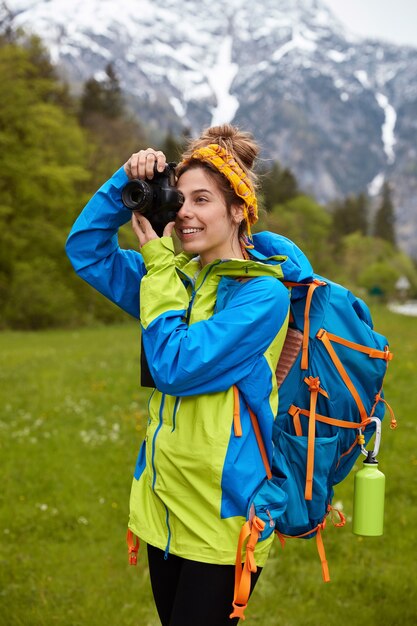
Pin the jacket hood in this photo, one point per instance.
(296, 267)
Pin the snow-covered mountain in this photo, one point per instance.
(339, 110)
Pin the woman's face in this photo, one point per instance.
(203, 224)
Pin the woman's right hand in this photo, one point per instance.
(141, 164)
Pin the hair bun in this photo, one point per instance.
(239, 143)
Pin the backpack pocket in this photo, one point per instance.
(290, 457)
(269, 503)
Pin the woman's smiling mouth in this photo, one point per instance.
(190, 231)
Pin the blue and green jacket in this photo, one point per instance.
(206, 333)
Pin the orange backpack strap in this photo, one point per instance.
(324, 338)
(251, 529)
(315, 389)
(306, 331)
(133, 546)
(322, 553)
(319, 543)
(319, 539)
(260, 441)
(295, 411)
(236, 413)
(386, 354)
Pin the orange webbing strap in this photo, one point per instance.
(386, 355)
(315, 389)
(293, 410)
(306, 330)
(236, 412)
(133, 547)
(333, 511)
(261, 444)
(320, 546)
(322, 553)
(393, 423)
(323, 336)
(379, 398)
(243, 572)
(319, 539)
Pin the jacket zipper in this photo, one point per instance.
(161, 409)
(166, 553)
(195, 288)
(174, 414)
(176, 407)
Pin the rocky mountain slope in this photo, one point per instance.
(339, 110)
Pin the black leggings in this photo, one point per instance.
(190, 593)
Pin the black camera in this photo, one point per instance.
(157, 199)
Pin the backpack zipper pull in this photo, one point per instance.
(271, 521)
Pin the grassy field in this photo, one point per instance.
(72, 417)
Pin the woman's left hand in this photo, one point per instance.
(144, 231)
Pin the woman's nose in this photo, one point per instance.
(184, 211)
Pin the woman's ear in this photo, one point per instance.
(237, 213)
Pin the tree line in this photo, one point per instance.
(56, 150)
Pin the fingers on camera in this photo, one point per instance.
(141, 164)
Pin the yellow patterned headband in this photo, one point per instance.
(226, 164)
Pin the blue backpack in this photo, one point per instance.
(330, 378)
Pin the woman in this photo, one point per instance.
(213, 321)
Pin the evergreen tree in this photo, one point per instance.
(173, 146)
(114, 134)
(7, 34)
(114, 103)
(384, 225)
(350, 216)
(278, 185)
(102, 97)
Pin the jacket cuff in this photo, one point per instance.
(158, 253)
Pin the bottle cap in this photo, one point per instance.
(370, 459)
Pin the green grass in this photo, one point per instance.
(72, 416)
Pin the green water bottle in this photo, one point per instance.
(368, 499)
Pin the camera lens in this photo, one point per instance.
(137, 195)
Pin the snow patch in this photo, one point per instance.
(220, 78)
(100, 76)
(375, 186)
(178, 107)
(322, 17)
(298, 41)
(336, 56)
(362, 77)
(388, 136)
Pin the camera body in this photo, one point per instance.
(157, 199)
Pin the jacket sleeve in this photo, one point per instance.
(93, 249)
(209, 355)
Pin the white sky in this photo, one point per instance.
(392, 20)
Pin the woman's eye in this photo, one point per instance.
(201, 199)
